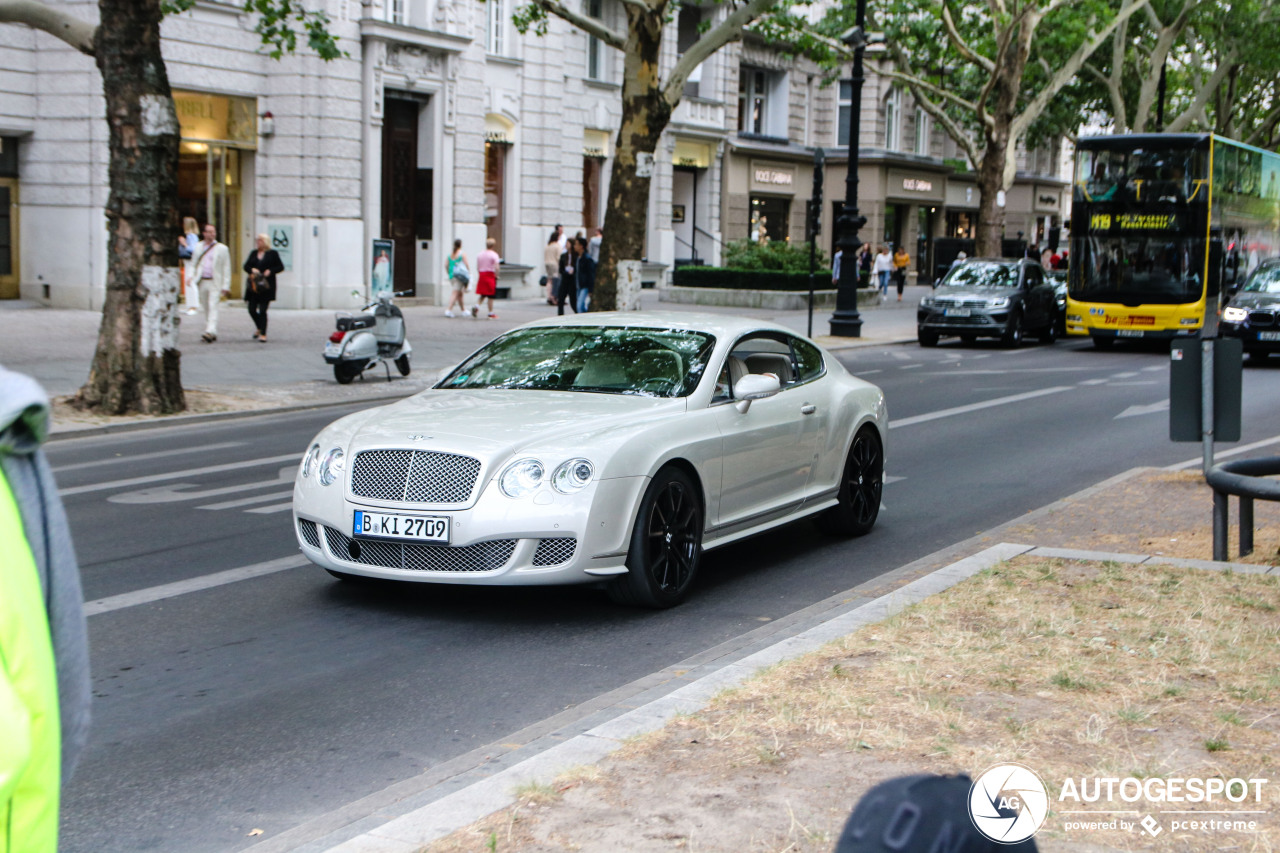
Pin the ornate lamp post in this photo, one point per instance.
(846, 322)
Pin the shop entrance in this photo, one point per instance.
(209, 190)
(770, 219)
(400, 188)
(9, 238)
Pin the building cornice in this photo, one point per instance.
(374, 30)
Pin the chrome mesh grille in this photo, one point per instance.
(553, 552)
(309, 533)
(481, 557)
(418, 476)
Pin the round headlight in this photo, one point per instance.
(331, 466)
(521, 478)
(310, 460)
(572, 476)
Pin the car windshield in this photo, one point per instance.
(600, 359)
(1265, 279)
(982, 274)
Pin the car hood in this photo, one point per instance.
(491, 424)
(1256, 300)
(973, 292)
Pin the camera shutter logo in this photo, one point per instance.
(1008, 803)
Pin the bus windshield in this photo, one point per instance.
(1135, 270)
(1150, 174)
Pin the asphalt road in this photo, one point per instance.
(268, 702)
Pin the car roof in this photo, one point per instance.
(719, 325)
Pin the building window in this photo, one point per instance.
(687, 36)
(595, 47)
(395, 11)
(592, 167)
(497, 35)
(846, 107)
(922, 132)
(769, 219)
(762, 102)
(892, 118)
(495, 178)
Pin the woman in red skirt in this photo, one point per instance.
(486, 278)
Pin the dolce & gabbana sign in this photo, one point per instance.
(773, 177)
(913, 185)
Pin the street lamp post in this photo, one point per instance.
(846, 322)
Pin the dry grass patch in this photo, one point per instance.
(1075, 669)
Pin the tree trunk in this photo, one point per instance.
(135, 367)
(645, 114)
(990, 214)
(996, 171)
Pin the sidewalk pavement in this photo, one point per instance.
(56, 345)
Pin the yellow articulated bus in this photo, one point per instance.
(1162, 224)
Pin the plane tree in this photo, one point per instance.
(136, 366)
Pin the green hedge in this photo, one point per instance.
(736, 279)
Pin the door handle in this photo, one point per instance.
(808, 409)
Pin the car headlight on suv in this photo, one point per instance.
(927, 302)
(998, 302)
(1232, 314)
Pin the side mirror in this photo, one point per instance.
(755, 386)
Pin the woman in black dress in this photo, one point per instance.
(262, 267)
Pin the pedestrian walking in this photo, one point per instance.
(864, 265)
(835, 268)
(44, 654)
(459, 271)
(551, 263)
(262, 266)
(486, 278)
(882, 266)
(212, 264)
(568, 290)
(593, 246)
(187, 247)
(586, 276)
(901, 261)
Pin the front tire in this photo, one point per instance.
(1012, 336)
(666, 544)
(861, 488)
(402, 364)
(927, 339)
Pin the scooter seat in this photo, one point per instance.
(358, 321)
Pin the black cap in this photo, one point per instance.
(919, 814)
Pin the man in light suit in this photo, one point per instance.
(212, 267)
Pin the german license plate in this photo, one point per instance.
(956, 312)
(1269, 336)
(413, 528)
(333, 349)
(1128, 333)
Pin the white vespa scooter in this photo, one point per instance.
(363, 341)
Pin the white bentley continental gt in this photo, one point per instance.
(599, 448)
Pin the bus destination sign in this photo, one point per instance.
(1134, 222)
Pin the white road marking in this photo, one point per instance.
(172, 590)
(266, 510)
(1127, 375)
(257, 499)
(173, 493)
(177, 475)
(910, 366)
(1235, 451)
(973, 407)
(159, 454)
(888, 479)
(1162, 406)
(1094, 382)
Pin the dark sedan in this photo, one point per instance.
(1253, 314)
(993, 298)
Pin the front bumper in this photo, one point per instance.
(547, 538)
(978, 323)
(1254, 340)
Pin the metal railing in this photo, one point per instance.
(1244, 478)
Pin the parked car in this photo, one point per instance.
(1253, 313)
(601, 448)
(990, 297)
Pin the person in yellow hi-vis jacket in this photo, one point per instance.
(44, 658)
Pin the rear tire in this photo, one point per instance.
(861, 488)
(1012, 336)
(345, 371)
(402, 364)
(927, 339)
(666, 544)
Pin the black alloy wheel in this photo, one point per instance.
(861, 488)
(666, 544)
(1012, 336)
(927, 339)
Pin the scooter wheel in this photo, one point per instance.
(402, 364)
(344, 372)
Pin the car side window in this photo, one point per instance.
(808, 360)
(762, 354)
(1033, 277)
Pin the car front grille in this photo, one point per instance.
(1262, 319)
(959, 302)
(481, 557)
(414, 476)
(553, 552)
(309, 533)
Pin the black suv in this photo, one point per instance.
(993, 298)
(1253, 314)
